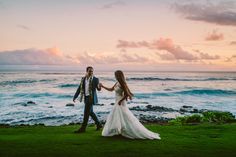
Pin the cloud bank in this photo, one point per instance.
(214, 36)
(169, 50)
(222, 13)
(113, 4)
(50, 56)
(53, 56)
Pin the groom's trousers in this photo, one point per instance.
(88, 111)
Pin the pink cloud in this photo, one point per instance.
(206, 56)
(133, 58)
(51, 56)
(168, 45)
(233, 43)
(231, 59)
(100, 58)
(86, 58)
(130, 44)
(162, 44)
(166, 56)
(54, 51)
(214, 36)
(167, 50)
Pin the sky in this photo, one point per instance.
(168, 35)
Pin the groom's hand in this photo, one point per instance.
(99, 86)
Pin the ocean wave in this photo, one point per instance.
(60, 73)
(16, 82)
(65, 96)
(213, 92)
(46, 94)
(68, 85)
(149, 95)
(47, 80)
(178, 79)
(207, 92)
(107, 79)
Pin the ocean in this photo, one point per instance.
(41, 97)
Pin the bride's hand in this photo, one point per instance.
(130, 98)
(100, 85)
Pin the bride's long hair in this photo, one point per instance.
(121, 79)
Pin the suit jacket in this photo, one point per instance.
(95, 83)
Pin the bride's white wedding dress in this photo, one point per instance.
(121, 121)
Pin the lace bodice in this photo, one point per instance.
(118, 91)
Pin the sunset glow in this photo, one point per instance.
(148, 35)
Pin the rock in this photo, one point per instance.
(40, 124)
(70, 104)
(183, 110)
(104, 112)
(73, 123)
(25, 104)
(99, 104)
(185, 106)
(138, 108)
(160, 108)
(103, 121)
(195, 110)
(4, 125)
(153, 108)
(31, 102)
(189, 109)
(153, 119)
(50, 106)
(112, 103)
(24, 125)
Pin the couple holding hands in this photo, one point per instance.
(120, 120)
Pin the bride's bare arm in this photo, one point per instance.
(107, 88)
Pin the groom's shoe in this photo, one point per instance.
(99, 127)
(79, 131)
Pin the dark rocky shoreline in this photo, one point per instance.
(146, 114)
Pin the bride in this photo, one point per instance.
(121, 120)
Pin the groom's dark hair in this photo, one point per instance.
(89, 67)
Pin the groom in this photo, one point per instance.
(87, 91)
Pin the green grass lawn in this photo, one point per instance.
(198, 140)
